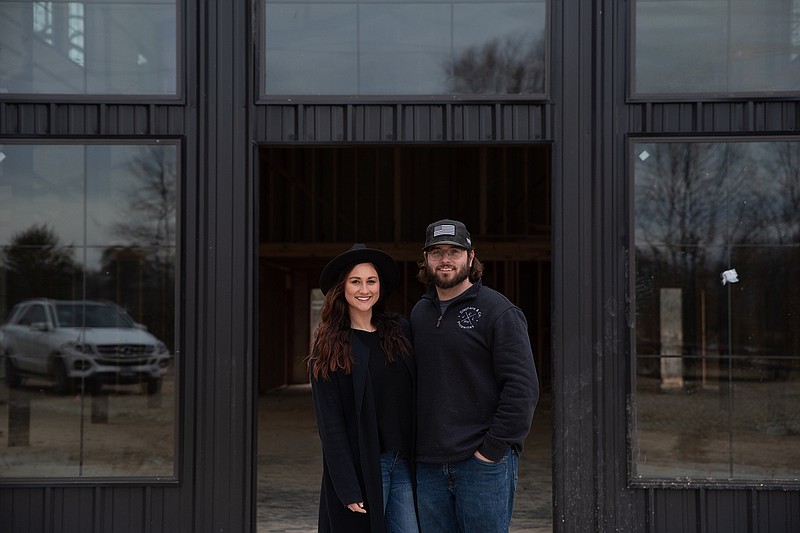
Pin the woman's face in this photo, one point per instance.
(362, 288)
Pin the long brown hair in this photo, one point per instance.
(330, 349)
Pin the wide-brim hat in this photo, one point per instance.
(388, 272)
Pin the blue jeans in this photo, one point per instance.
(399, 513)
(469, 496)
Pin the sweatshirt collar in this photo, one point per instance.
(467, 294)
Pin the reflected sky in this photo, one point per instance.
(691, 46)
(93, 197)
(717, 194)
(88, 47)
(389, 47)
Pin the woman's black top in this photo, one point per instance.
(392, 385)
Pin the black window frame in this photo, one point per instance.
(178, 399)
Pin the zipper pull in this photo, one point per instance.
(439, 321)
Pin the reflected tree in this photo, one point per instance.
(781, 200)
(779, 206)
(148, 218)
(684, 219)
(514, 64)
(38, 265)
(704, 207)
(141, 274)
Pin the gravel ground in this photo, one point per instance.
(290, 467)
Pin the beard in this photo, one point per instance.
(461, 273)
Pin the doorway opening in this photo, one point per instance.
(315, 202)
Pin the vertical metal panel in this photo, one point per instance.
(225, 313)
(574, 461)
(216, 466)
(72, 510)
(415, 123)
(320, 124)
(710, 509)
(672, 512)
(373, 123)
(280, 123)
(751, 117)
(90, 119)
(776, 512)
(610, 277)
(21, 510)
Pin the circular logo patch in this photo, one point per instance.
(468, 317)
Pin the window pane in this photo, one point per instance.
(716, 46)
(400, 48)
(717, 348)
(108, 48)
(87, 294)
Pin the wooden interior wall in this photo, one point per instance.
(316, 201)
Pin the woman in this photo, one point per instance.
(362, 379)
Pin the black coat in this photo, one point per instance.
(348, 428)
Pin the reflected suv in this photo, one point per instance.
(82, 342)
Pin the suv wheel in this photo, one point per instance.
(13, 379)
(63, 384)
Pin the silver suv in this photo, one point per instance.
(82, 342)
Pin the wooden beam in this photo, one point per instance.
(532, 249)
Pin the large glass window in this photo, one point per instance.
(717, 301)
(91, 47)
(723, 47)
(87, 303)
(382, 47)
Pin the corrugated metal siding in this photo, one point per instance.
(587, 119)
(704, 510)
(409, 123)
(590, 235)
(755, 117)
(91, 119)
(89, 509)
(216, 463)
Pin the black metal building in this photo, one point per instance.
(558, 194)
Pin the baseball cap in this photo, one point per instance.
(447, 232)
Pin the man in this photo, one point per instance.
(477, 389)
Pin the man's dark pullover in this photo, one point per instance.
(477, 386)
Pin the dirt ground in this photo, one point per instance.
(748, 430)
(122, 432)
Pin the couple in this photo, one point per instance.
(424, 437)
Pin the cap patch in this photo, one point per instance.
(444, 229)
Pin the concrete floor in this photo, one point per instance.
(290, 466)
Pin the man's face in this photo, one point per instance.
(447, 265)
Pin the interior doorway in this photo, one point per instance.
(315, 202)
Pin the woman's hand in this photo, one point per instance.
(357, 507)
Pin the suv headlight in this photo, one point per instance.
(79, 347)
(161, 348)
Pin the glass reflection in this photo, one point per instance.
(716, 46)
(88, 48)
(87, 292)
(717, 348)
(382, 47)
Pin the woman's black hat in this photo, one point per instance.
(388, 272)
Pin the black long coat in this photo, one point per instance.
(347, 422)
